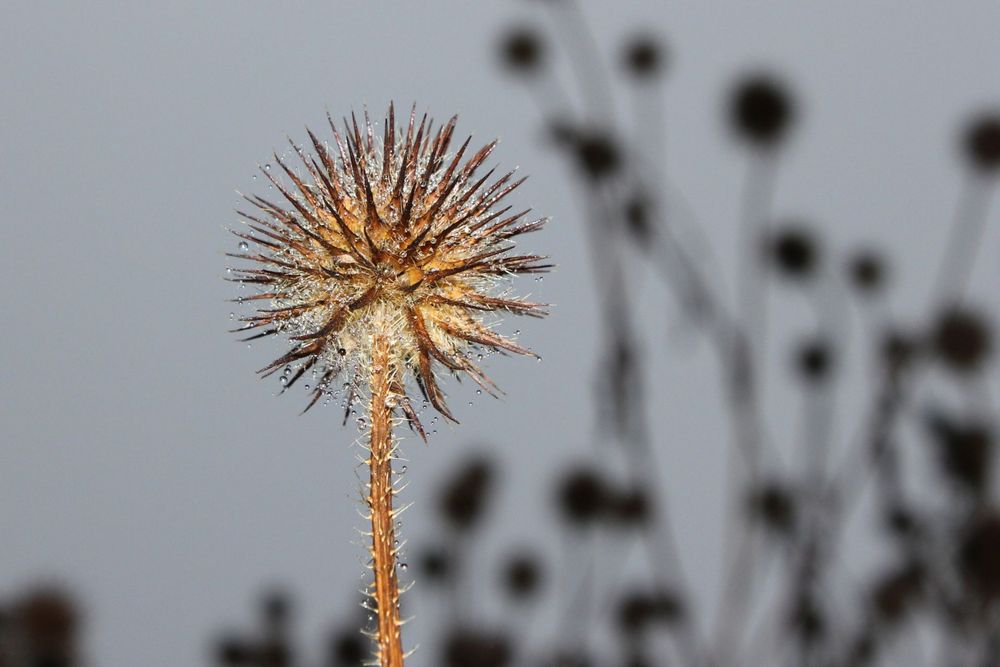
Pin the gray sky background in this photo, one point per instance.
(140, 460)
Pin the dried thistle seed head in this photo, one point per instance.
(390, 237)
(978, 557)
(523, 575)
(896, 591)
(761, 110)
(643, 56)
(982, 143)
(523, 50)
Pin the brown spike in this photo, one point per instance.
(431, 387)
(388, 145)
(294, 355)
(411, 415)
(369, 133)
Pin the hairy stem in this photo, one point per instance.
(380, 492)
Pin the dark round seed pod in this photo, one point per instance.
(522, 575)
(982, 143)
(582, 496)
(643, 56)
(522, 50)
(761, 110)
(794, 252)
(962, 340)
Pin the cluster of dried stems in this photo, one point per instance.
(632, 206)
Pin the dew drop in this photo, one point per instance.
(307, 387)
(244, 245)
(232, 316)
(403, 469)
(479, 392)
(284, 380)
(403, 566)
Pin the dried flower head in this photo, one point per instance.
(867, 270)
(523, 575)
(387, 234)
(761, 110)
(982, 143)
(962, 339)
(643, 56)
(523, 50)
(794, 251)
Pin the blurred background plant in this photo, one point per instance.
(936, 595)
(870, 537)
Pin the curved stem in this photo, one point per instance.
(963, 242)
(380, 493)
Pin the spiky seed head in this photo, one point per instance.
(761, 110)
(388, 236)
(982, 143)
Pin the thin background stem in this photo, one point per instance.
(963, 241)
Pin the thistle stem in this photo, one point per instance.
(380, 493)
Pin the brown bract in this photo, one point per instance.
(390, 236)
